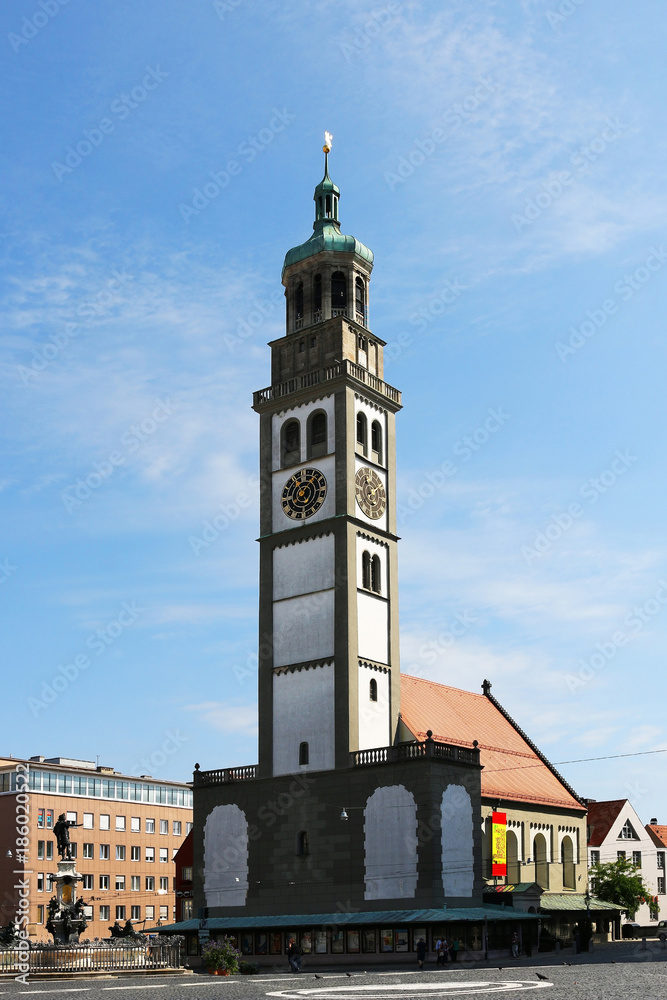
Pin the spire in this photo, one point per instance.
(326, 194)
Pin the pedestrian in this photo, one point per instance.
(515, 945)
(421, 953)
(440, 951)
(454, 949)
(294, 956)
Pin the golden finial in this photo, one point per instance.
(328, 141)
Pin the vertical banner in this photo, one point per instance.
(499, 843)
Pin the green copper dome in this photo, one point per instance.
(326, 228)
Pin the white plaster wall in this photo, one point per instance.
(457, 842)
(301, 413)
(373, 628)
(390, 844)
(326, 466)
(372, 413)
(303, 567)
(374, 549)
(226, 856)
(380, 522)
(373, 715)
(303, 628)
(303, 710)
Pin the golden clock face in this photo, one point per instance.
(304, 494)
(371, 495)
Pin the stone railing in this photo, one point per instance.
(428, 749)
(224, 775)
(337, 370)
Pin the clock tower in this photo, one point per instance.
(328, 615)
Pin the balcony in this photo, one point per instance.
(338, 370)
(224, 775)
(428, 749)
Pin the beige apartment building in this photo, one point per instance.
(128, 831)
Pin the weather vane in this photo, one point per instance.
(328, 140)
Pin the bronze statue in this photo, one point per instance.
(61, 830)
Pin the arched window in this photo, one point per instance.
(540, 859)
(302, 346)
(373, 690)
(366, 570)
(376, 441)
(513, 867)
(298, 306)
(303, 753)
(317, 298)
(302, 842)
(376, 574)
(317, 435)
(567, 861)
(290, 451)
(360, 301)
(361, 432)
(338, 294)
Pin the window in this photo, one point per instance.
(150, 826)
(120, 823)
(120, 913)
(298, 306)
(376, 574)
(164, 883)
(40, 850)
(49, 850)
(88, 882)
(620, 855)
(376, 441)
(628, 833)
(290, 450)
(177, 828)
(135, 883)
(361, 431)
(317, 298)
(174, 853)
(105, 913)
(637, 858)
(41, 818)
(164, 854)
(120, 883)
(164, 913)
(73, 849)
(49, 819)
(40, 882)
(40, 914)
(302, 346)
(302, 842)
(88, 822)
(135, 913)
(186, 873)
(104, 881)
(105, 852)
(150, 883)
(187, 909)
(164, 826)
(188, 827)
(595, 857)
(150, 854)
(135, 824)
(120, 852)
(360, 301)
(70, 817)
(661, 860)
(317, 435)
(135, 854)
(338, 294)
(105, 821)
(150, 913)
(303, 753)
(661, 885)
(374, 690)
(366, 570)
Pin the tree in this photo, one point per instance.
(619, 882)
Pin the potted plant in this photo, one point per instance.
(220, 957)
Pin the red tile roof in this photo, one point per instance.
(513, 768)
(658, 833)
(601, 818)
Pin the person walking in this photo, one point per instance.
(441, 951)
(454, 950)
(515, 945)
(294, 956)
(421, 953)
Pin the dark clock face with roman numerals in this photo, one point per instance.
(371, 495)
(304, 494)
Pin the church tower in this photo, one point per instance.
(328, 615)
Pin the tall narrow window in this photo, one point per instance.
(361, 432)
(366, 570)
(303, 753)
(338, 294)
(374, 690)
(360, 301)
(302, 842)
(317, 298)
(376, 441)
(291, 443)
(376, 574)
(298, 306)
(317, 435)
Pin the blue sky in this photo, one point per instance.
(505, 162)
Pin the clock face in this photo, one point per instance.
(304, 494)
(371, 495)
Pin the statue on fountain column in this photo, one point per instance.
(61, 830)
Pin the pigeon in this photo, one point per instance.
(500, 968)
(349, 975)
(540, 976)
(318, 977)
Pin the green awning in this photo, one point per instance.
(559, 901)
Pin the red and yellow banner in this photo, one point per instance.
(499, 843)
